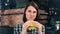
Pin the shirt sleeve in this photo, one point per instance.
(43, 29)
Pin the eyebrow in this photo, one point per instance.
(30, 10)
(35, 11)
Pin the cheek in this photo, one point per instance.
(27, 15)
(35, 15)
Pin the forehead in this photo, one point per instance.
(31, 8)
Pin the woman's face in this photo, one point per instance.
(31, 13)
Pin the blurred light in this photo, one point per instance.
(6, 4)
(55, 13)
(57, 25)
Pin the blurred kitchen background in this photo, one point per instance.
(11, 13)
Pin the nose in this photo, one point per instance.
(32, 14)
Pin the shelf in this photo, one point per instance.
(11, 14)
(43, 14)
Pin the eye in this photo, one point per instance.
(29, 10)
(34, 12)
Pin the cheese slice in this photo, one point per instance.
(31, 27)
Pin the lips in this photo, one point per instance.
(31, 17)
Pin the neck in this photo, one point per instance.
(30, 20)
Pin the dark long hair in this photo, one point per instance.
(36, 7)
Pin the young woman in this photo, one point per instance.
(31, 16)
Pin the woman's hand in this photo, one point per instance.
(25, 26)
(34, 23)
(38, 26)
